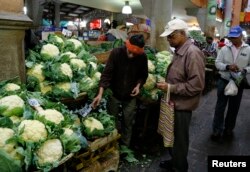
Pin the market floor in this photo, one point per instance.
(149, 150)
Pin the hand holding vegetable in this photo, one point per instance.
(162, 86)
(232, 67)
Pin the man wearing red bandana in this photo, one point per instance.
(125, 73)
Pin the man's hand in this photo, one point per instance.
(233, 68)
(135, 91)
(96, 101)
(162, 86)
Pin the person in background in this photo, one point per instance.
(232, 58)
(125, 73)
(186, 78)
(211, 48)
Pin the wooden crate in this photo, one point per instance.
(98, 149)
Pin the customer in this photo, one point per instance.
(231, 58)
(125, 73)
(211, 48)
(186, 78)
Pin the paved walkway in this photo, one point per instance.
(149, 148)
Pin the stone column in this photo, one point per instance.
(159, 12)
(228, 16)
(12, 30)
(57, 14)
(211, 18)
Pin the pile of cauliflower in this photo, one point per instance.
(39, 138)
(61, 60)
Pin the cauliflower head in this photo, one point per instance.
(5, 134)
(12, 87)
(11, 105)
(52, 115)
(68, 132)
(151, 67)
(45, 88)
(76, 43)
(50, 152)
(91, 123)
(70, 54)
(66, 70)
(150, 82)
(15, 119)
(78, 63)
(49, 51)
(37, 72)
(33, 130)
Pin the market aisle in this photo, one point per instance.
(200, 144)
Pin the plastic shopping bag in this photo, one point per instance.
(231, 89)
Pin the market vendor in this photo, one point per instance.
(125, 73)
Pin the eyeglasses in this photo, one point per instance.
(171, 36)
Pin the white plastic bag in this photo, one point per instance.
(231, 89)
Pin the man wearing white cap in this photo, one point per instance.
(186, 78)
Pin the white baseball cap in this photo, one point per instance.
(175, 24)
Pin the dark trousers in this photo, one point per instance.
(127, 109)
(179, 152)
(232, 110)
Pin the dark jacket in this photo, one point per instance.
(122, 74)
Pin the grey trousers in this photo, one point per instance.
(127, 109)
(179, 152)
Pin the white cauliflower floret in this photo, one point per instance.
(58, 39)
(75, 42)
(66, 70)
(66, 86)
(14, 105)
(50, 50)
(45, 88)
(68, 132)
(37, 72)
(78, 63)
(51, 151)
(15, 119)
(52, 115)
(5, 134)
(70, 54)
(12, 87)
(92, 124)
(150, 82)
(34, 130)
(151, 66)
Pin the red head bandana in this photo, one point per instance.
(133, 48)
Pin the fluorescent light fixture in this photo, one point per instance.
(126, 8)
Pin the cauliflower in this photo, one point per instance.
(76, 43)
(45, 88)
(49, 51)
(51, 151)
(37, 72)
(11, 105)
(78, 63)
(70, 54)
(150, 82)
(68, 132)
(66, 70)
(11, 87)
(5, 134)
(96, 78)
(91, 123)
(33, 130)
(52, 115)
(151, 67)
(65, 86)
(15, 119)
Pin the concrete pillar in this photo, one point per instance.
(57, 14)
(228, 17)
(211, 18)
(35, 11)
(159, 12)
(13, 24)
(236, 12)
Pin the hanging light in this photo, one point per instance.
(126, 8)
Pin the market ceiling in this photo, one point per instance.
(74, 8)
